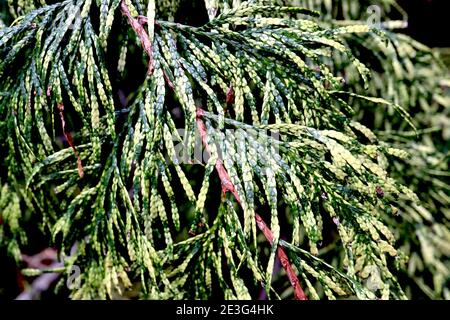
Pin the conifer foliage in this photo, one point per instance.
(167, 157)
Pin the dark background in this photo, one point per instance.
(429, 21)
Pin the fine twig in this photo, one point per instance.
(227, 186)
(137, 26)
(69, 139)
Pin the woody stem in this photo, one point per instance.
(227, 186)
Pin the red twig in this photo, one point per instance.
(227, 186)
(70, 140)
(230, 96)
(137, 25)
(223, 174)
(144, 20)
(298, 291)
(169, 83)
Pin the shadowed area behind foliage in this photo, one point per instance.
(428, 21)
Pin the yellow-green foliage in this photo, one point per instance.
(140, 216)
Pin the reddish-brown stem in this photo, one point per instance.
(298, 290)
(69, 139)
(169, 83)
(227, 186)
(144, 20)
(137, 26)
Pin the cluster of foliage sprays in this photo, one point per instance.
(323, 149)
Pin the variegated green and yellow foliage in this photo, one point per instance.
(269, 83)
(409, 74)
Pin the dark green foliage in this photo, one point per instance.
(92, 94)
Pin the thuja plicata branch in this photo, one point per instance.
(227, 186)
